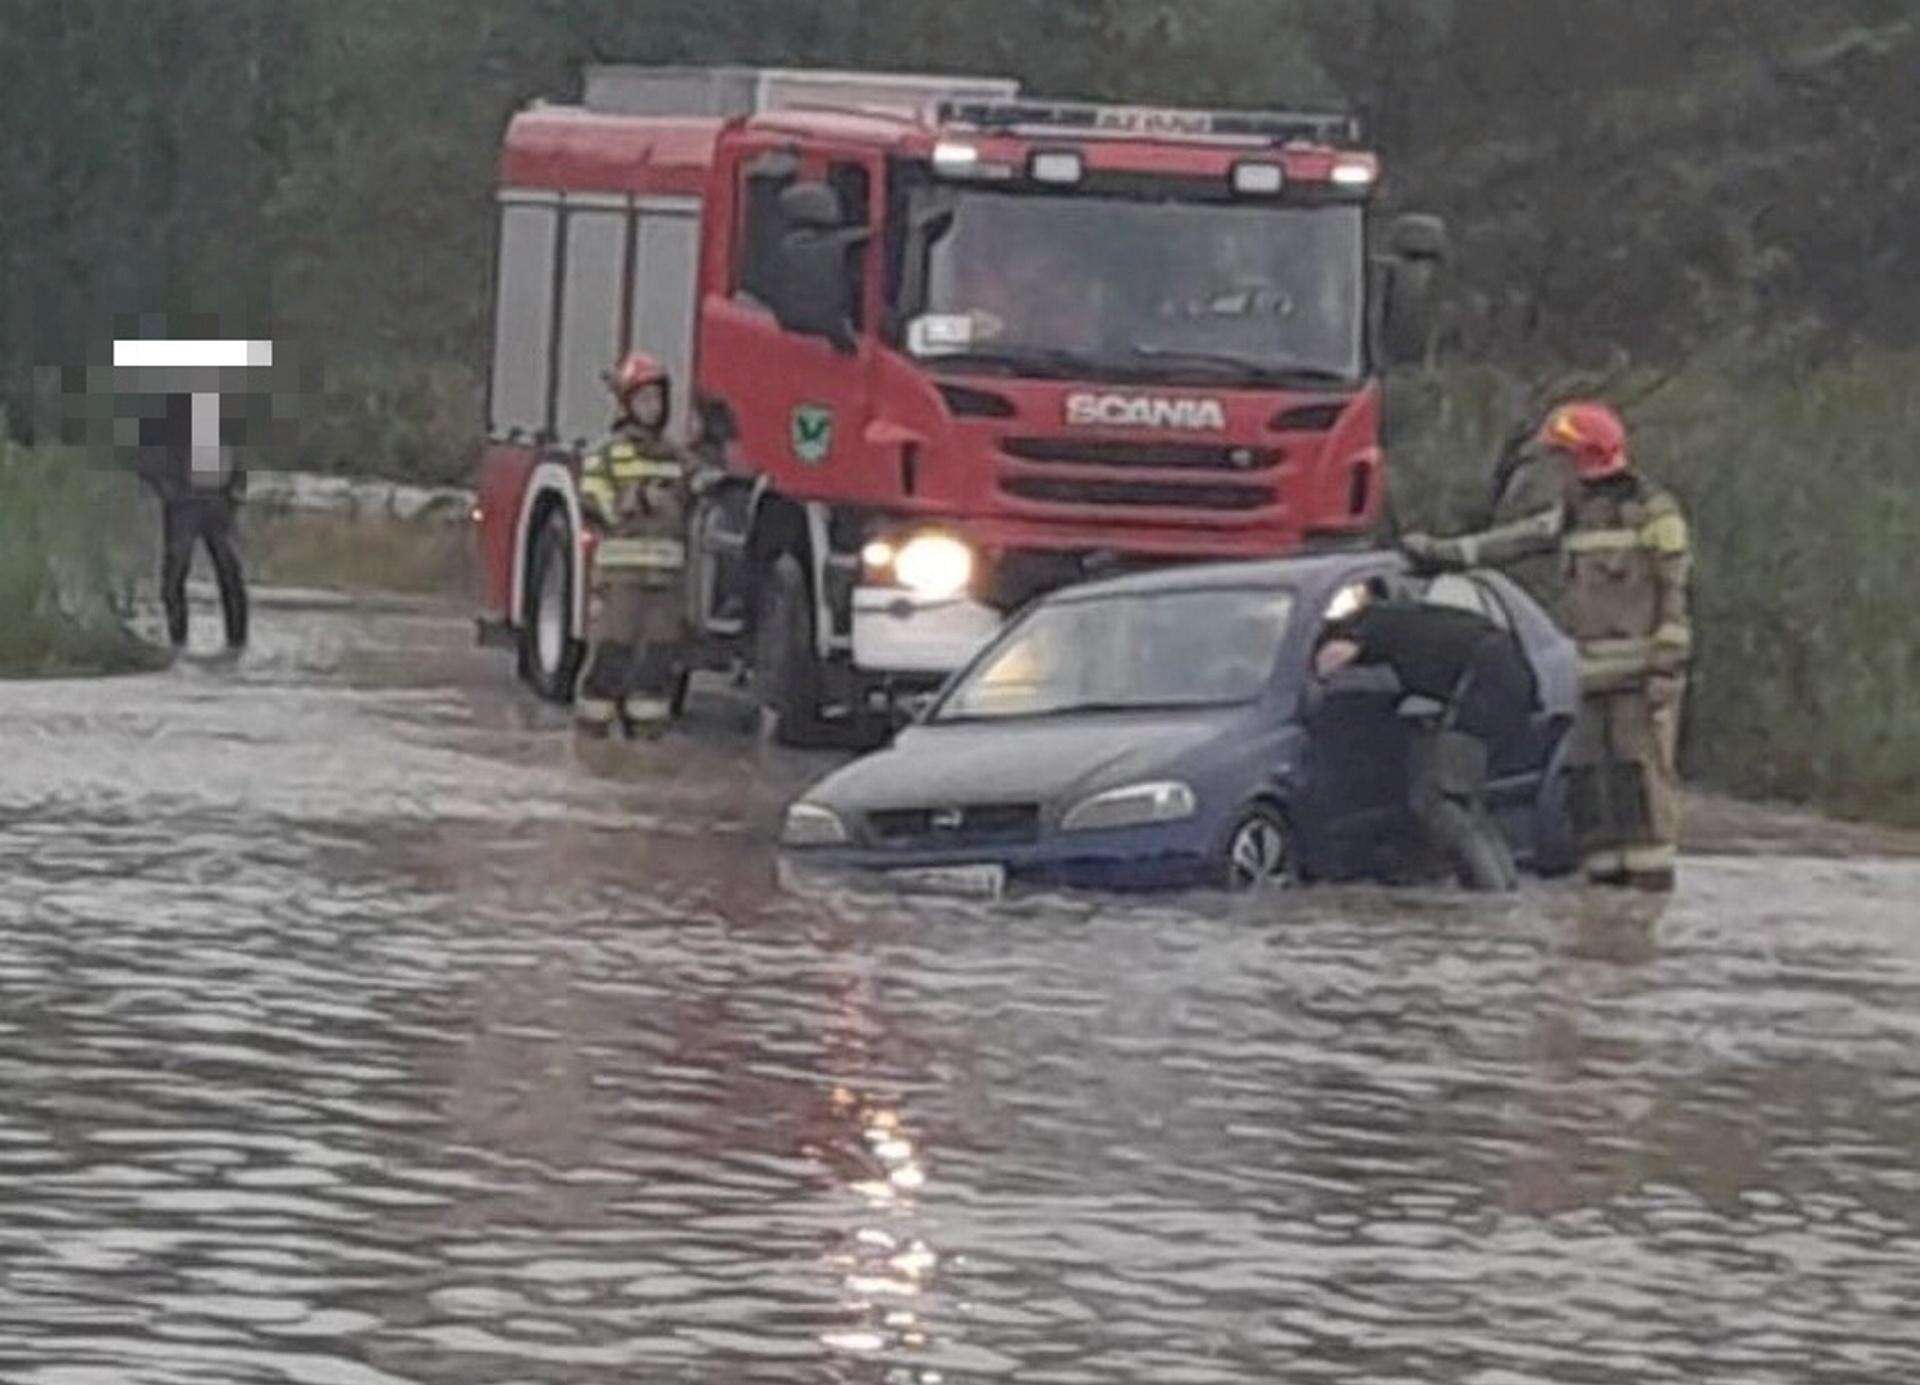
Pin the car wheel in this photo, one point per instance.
(786, 659)
(1258, 851)
(550, 655)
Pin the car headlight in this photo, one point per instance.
(1136, 805)
(935, 566)
(808, 824)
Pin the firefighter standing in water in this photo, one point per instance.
(635, 492)
(1620, 550)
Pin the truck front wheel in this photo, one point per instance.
(550, 655)
(787, 674)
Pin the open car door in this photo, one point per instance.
(1355, 801)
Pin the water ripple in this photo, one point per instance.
(355, 1033)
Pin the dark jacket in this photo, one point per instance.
(164, 459)
(1432, 650)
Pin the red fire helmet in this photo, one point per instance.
(635, 372)
(1592, 434)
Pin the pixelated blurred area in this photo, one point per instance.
(138, 390)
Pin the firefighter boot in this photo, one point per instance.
(647, 702)
(598, 705)
(645, 717)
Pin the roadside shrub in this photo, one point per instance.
(72, 546)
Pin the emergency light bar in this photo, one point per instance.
(1263, 127)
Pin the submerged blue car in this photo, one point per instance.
(1165, 730)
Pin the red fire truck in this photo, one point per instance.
(954, 348)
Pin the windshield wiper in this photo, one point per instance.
(1247, 367)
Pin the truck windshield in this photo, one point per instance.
(1128, 653)
(1082, 285)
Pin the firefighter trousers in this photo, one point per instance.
(1625, 780)
(636, 657)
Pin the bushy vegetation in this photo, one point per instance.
(1803, 485)
(68, 566)
(1722, 196)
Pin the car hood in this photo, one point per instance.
(1046, 761)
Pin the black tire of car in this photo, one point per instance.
(786, 660)
(550, 656)
(1257, 851)
(1556, 849)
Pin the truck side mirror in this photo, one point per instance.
(1406, 318)
(1406, 280)
(1418, 237)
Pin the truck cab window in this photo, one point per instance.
(756, 262)
(854, 186)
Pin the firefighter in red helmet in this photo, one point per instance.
(634, 492)
(1613, 553)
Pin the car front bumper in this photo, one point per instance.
(1164, 856)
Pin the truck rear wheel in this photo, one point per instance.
(550, 655)
(787, 674)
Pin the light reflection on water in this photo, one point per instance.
(354, 1032)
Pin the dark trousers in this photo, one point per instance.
(1447, 788)
(1452, 757)
(208, 520)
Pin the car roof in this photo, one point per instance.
(1307, 573)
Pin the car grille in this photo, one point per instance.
(1170, 456)
(1172, 495)
(979, 824)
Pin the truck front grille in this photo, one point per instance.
(1169, 456)
(1155, 494)
(979, 824)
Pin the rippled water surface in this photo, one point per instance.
(355, 1030)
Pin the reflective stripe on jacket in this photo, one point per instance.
(1627, 559)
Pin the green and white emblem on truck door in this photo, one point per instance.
(812, 433)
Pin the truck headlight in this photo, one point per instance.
(1136, 805)
(808, 824)
(934, 566)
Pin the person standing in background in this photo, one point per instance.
(200, 484)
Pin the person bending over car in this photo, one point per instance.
(1479, 684)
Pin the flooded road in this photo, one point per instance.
(354, 1030)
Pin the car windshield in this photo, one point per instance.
(1121, 653)
(1090, 286)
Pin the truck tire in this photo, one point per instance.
(550, 650)
(786, 659)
